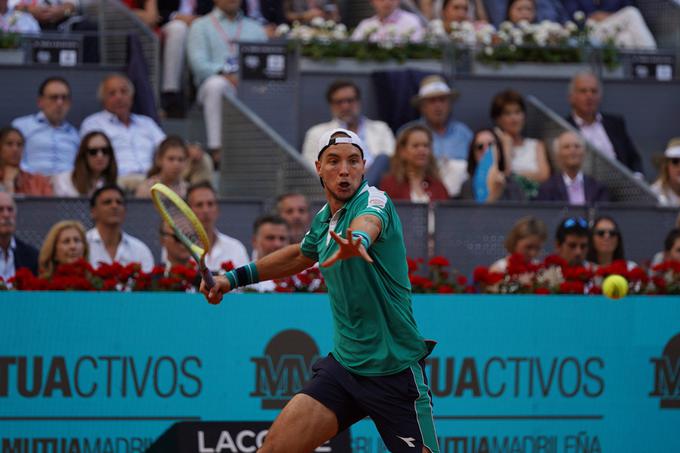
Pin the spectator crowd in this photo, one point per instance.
(117, 154)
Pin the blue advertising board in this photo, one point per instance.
(110, 372)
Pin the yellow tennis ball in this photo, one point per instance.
(615, 287)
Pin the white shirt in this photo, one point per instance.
(596, 135)
(130, 250)
(665, 195)
(18, 21)
(376, 135)
(576, 190)
(226, 248)
(62, 184)
(133, 145)
(7, 265)
(400, 26)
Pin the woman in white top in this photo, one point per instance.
(94, 167)
(527, 156)
(526, 239)
(169, 164)
(667, 187)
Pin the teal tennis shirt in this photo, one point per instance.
(375, 332)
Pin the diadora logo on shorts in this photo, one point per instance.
(667, 375)
(285, 367)
(409, 441)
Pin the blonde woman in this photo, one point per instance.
(667, 187)
(526, 238)
(65, 243)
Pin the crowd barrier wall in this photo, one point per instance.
(467, 233)
(510, 373)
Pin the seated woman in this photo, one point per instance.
(671, 246)
(667, 187)
(525, 240)
(65, 243)
(528, 158)
(496, 183)
(95, 166)
(458, 11)
(521, 10)
(413, 171)
(605, 243)
(170, 162)
(12, 178)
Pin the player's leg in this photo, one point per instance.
(302, 425)
(401, 408)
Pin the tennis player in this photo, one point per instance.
(376, 368)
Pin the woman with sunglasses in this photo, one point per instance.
(12, 178)
(94, 167)
(499, 184)
(667, 187)
(605, 244)
(170, 163)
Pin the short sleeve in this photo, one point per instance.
(377, 204)
(310, 242)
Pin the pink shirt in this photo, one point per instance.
(400, 26)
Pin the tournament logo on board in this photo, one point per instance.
(285, 367)
(667, 375)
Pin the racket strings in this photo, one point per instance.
(182, 223)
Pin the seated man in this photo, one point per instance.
(604, 131)
(49, 13)
(213, 57)
(14, 253)
(294, 209)
(570, 184)
(107, 241)
(270, 233)
(672, 246)
(134, 137)
(15, 20)
(173, 252)
(389, 21)
(344, 100)
(571, 241)
(51, 141)
(451, 138)
(616, 19)
(202, 199)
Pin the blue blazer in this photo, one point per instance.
(25, 256)
(555, 190)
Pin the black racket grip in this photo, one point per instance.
(207, 278)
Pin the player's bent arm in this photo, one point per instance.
(283, 263)
(369, 224)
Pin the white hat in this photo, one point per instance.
(433, 86)
(672, 149)
(350, 137)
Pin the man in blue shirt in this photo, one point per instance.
(213, 50)
(51, 141)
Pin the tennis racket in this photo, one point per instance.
(186, 226)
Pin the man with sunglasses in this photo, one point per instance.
(51, 141)
(571, 241)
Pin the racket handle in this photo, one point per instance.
(207, 278)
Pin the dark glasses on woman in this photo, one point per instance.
(483, 146)
(105, 150)
(602, 233)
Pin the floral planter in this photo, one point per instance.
(12, 56)
(351, 65)
(543, 70)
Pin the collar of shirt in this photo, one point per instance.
(580, 122)
(112, 118)
(327, 209)
(12, 247)
(41, 118)
(577, 180)
(220, 15)
(96, 237)
(392, 18)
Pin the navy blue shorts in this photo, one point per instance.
(400, 404)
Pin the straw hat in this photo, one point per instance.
(434, 86)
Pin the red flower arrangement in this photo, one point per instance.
(307, 281)
(439, 280)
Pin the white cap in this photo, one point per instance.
(326, 140)
(672, 152)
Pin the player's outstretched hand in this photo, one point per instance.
(347, 248)
(214, 295)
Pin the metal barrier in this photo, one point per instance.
(256, 161)
(468, 234)
(623, 186)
